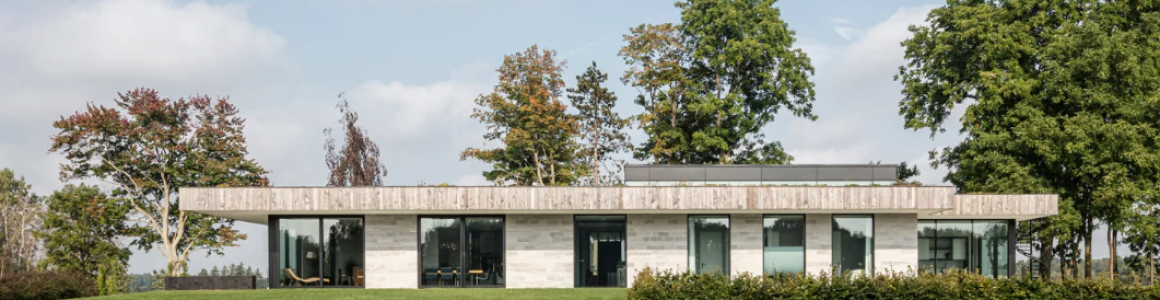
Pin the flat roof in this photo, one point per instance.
(761, 173)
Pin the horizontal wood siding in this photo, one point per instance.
(1000, 205)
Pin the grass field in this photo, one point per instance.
(441, 294)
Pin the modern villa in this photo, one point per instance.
(731, 219)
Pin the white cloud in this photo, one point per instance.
(407, 111)
(848, 33)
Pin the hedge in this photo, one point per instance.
(50, 285)
(958, 286)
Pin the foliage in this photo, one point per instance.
(112, 278)
(600, 127)
(20, 218)
(149, 146)
(1061, 98)
(49, 285)
(711, 83)
(525, 113)
(358, 162)
(1143, 236)
(81, 227)
(956, 285)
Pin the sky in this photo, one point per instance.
(411, 69)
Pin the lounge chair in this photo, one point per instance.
(300, 281)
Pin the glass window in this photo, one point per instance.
(461, 251)
(299, 255)
(709, 244)
(484, 251)
(927, 246)
(344, 251)
(990, 238)
(600, 251)
(853, 242)
(784, 244)
(439, 249)
(973, 245)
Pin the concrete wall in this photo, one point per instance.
(539, 251)
(656, 241)
(392, 251)
(819, 250)
(745, 245)
(895, 243)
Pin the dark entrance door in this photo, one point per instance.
(600, 251)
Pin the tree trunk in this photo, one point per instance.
(1087, 248)
(1045, 256)
(595, 154)
(1111, 253)
(1151, 268)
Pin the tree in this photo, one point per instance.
(600, 127)
(525, 113)
(81, 227)
(203, 273)
(215, 272)
(358, 162)
(149, 146)
(905, 172)
(20, 218)
(719, 77)
(1060, 98)
(1143, 236)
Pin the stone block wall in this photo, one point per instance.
(895, 243)
(539, 251)
(656, 241)
(392, 252)
(819, 243)
(745, 244)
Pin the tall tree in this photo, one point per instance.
(81, 227)
(148, 146)
(20, 219)
(525, 113)
(203, 272)
(601, 130)
(1143, 234)
(1060, 98)
(358, 162)
(214, 271)
(719, 77)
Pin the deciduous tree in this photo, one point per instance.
(601, 129)
(718, 78)
(81, 227)
(1060, 97)
(524, 112)
(148, 146)
(20, 219)
(358, 163)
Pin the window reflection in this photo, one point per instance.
(461, 251)
(299, 252)
(344, 251)
(853, 242)
(784, 244)
(972, 245)
(709, 244)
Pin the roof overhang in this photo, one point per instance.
(256, 204)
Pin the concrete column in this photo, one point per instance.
(539, 251)
(656, 241)
(745, 238)
(895, 243)
(819, 249)
(392, 256)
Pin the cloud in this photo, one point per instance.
(848, 33)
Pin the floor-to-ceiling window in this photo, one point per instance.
(973, 245)
(709, 244)
(784, 244)
(853, 242)
(600, 251)
(461, 251)
(320, 252)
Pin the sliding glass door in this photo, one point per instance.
(320, 252)
(972, 245)
(461, 251)
(600, 251)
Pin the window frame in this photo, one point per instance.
(873, 247)
(805, 241)
(1012, 238)
(728, 240)
(462, 253)
(274, 238)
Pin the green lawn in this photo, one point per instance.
(441, 294)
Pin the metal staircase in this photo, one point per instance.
(1028, 243)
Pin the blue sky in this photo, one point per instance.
(411, 69)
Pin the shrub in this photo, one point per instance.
(50, 285)
(959, 286)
